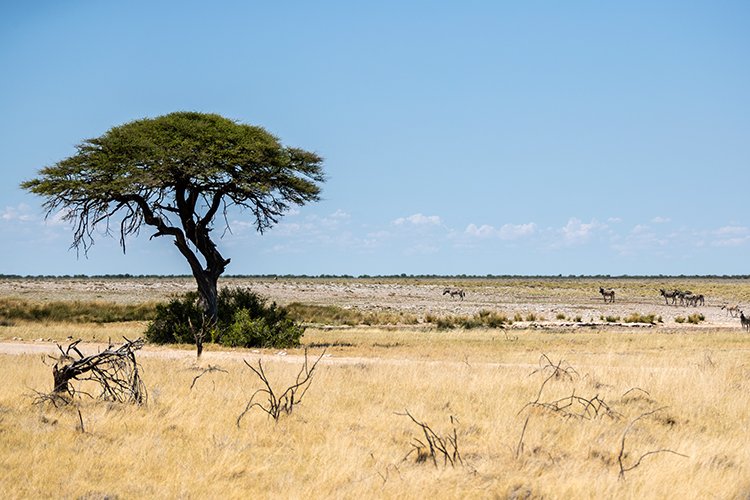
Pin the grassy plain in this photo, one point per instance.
(347, 437)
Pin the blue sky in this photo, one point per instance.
(474, 137)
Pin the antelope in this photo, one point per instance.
(745, 322)
(669, 295)
(732, 310)
(455, 292)
(607, 294)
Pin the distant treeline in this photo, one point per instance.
(385, 276)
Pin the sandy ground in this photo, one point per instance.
(547, 300)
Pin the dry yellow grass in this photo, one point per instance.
(346, 439)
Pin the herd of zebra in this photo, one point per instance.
(686, 297)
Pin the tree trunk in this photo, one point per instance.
(208, 291)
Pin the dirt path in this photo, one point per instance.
(45, 348)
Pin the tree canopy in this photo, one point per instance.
(177, 173)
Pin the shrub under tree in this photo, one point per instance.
(245, 319)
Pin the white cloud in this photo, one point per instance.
(19, 213)
(575, 231)
(515, 231)
(660, 220)
(483, 231)
(731, 230)
(418, 220)
(731, 236)
(505, 232)
(614, 220)
(731, 242)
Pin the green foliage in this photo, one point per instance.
(245, 319)
(149, 169)
(560, 316)
(248, 331)
(75, 311)
(679, 319)
(175, 321)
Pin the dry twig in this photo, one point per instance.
(207, 370)
(445, 447)
(275, 404)
(621, 455)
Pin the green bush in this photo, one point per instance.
(246, 331)
(244, 320)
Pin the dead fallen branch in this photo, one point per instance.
(277, 404)
(435, 446)
(114, 370)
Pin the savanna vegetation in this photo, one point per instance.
(491, 405)
(536, 414)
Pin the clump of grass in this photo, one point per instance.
(517, 317)
(578, 319)
(642, 318)
(695, 318)
(483, 319)
(560, 316)
(679, 319)
(609, 319)
(75, 311)
(531, 317)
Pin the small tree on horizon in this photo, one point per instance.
(177, 173)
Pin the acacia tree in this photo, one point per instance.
(178, 173)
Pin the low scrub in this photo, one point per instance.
(694, 319)
(75, 311)
(339, 316)
(642, 318)
(483, 319)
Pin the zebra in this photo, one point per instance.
(455, 292)
(732, 310)
(745, 322)
(607, 294)
(684, 296)
(669, 295)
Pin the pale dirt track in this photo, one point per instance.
(251, 356)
